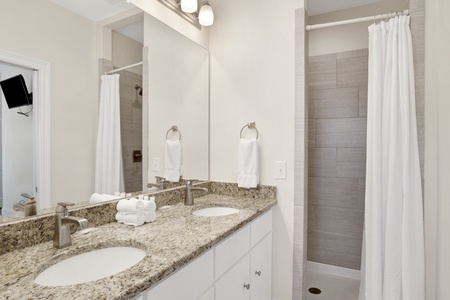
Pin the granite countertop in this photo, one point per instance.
(174, 239)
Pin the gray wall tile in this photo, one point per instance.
(334, 103)
(346, 132)
(352, 71)
(311, 133)
(362, 101)
(353, 53)
(322, 72)
(337, 220)
(322, 162)
(333, 192)
(351, 162)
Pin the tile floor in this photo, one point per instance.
(332, 287)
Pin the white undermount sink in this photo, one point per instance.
(90, 266)
(216, 211)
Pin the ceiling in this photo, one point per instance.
(95, 10)
(98, 10)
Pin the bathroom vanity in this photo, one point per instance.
(187, 256)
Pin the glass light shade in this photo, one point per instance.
(206, 15)
(189, 6)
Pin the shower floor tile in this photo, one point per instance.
(332, 287)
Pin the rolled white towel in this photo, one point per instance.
(135, 219)
(97, 198)
(130, 205)
(149, 205)
(149, 216)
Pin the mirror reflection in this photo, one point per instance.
(170, 88)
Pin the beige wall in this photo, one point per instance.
(252, 79)
(347, 37)
(437, 159)
(178, 94)
(126, 51)
(67, 41)
(168, 17)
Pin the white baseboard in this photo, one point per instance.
(333, 270)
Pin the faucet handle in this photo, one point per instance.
(62, 207)
(160, 179)
(190, 181)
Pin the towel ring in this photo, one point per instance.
(174, 128)
(251, 125)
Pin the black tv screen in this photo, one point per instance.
(15, 91)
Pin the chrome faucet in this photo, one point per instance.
(28, 206)
(62, 236)
(160, 183)
(189, 196)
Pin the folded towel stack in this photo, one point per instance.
(97, 198)
(135, 211)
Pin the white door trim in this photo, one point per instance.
(41, 106)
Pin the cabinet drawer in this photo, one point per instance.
(187, 283)
(231, 250)
(260, 227)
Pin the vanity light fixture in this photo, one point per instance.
(189, 6)
(206, 15)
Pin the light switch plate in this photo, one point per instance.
(280, 170)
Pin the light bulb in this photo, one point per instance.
(189, 6)
(206, 15)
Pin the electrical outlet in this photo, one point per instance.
(280, 170)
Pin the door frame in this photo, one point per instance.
(41, 123)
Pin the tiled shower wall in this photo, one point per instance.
(130, 124)
(131, 129)
(337, 157)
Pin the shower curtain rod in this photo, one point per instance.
(351, 21)
(124, 68)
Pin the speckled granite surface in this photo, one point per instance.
(20, 233)
(174, 239)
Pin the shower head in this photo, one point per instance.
(137, 87)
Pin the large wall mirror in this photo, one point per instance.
(175, 91)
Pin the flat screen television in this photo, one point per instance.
(15, 91)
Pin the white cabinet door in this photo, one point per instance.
(187, 283)
(231, 250)
(208, 295)
(235, 284)
(261, 270)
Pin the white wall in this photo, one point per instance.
(44, 31)
(252, 79)
(437, 145)
(347, 37)
(17, 166)
(178, 94)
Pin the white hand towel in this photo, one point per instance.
(131, 205)
(135, 219)
(97, 198)
(248, 163)
(173, 161)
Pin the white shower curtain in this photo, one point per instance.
(393, 249)
(108, 165)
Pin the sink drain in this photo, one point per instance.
(314, 290)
